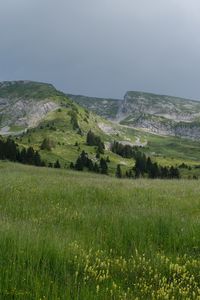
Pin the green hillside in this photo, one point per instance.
(28, 89)
(79, 235)
(68, 143)
(69, 235)
(32, 112)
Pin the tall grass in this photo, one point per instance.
(68, 235)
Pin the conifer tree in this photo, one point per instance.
(23, 156)
(103, 166)
(30, 156)
(57, 164)
(71, 165)
(79, 164)
(118, 173)
(107, 159)
(10, 149)
(100, 148)
(90, 165)
(96, 168)
(90, 138)
(46, 144)
(98, 155)
(37, 159)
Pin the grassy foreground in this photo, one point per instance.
(69, 235)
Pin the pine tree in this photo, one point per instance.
(23, 159)
(10, 149)
(2, 152)
(140, 164)
(71, 165)
(74, 120)
(98, 155)
(103, 166)
(90, 138)
(174, 173)
(100, 148)
(94, 140)
(129, 174)
(79, 164)
(46, 144)
(154, 171)
(148, 165)
(57, 164)
(30, 156)
(84, 158)
(90, 165)
(118, 173)
(37, 159)
(138, 173)
(107, 159)
(164, 172)
(96, 168)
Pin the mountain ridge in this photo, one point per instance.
(24, 103)
(159, 114)
(32, 112)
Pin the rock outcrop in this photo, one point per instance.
(158, 114)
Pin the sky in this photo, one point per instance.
(103, 48)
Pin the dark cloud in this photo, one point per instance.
(103, 48)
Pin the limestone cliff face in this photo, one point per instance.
(159, 114)
(172, 108)
(23, 104)
(162, 115)
(24, 112)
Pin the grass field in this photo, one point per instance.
(70, 235)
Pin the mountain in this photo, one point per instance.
(24, 103)
(32, 112)
(105, 107)
(158, 114)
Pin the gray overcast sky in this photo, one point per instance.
(103, 47)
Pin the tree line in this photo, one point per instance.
(126, 151)
(84, 162)
(144, 167)
(9, 150)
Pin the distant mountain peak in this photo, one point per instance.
(160, 114)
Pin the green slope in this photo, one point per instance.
(69, 235)
(28, 89)
(56, 125)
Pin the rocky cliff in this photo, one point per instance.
(23, 104)
(159, 114)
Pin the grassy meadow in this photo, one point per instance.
(71, 235)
